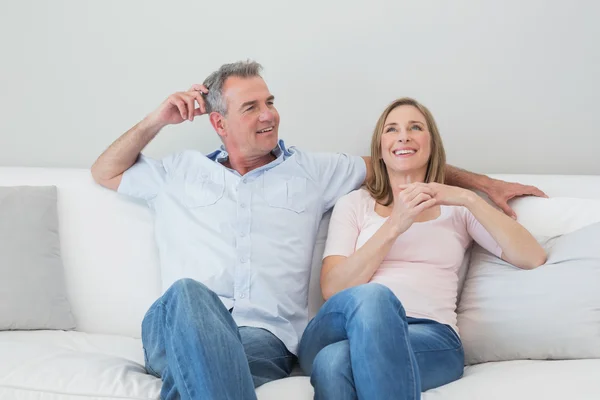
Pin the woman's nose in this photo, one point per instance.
(403, 136)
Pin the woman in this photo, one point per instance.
(390, 269)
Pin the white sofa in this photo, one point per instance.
(112, 276)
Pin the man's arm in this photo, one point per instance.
(468, 180)
(369, 169)
(500, 192)
(122, 154)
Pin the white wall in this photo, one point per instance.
(513, 84)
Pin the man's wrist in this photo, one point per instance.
(151, 124)
(484, 184)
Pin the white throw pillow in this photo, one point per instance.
(555, 216)
(552, 312)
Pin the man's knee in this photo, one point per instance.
(189, 289)
(332, 363)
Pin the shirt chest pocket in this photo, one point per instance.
(204, 190)
(287, 192)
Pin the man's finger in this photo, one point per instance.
(507, 210)
(198, 88)
(201, 104)
(180, 104)
(191, 106)
(533, 191)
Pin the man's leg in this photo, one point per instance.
(438, 351)
(373, 321)
(192, 343)
(268, 357)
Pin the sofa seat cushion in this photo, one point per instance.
(515, 380)
(48, 365)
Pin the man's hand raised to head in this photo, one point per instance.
(122, 154)
(180, 106)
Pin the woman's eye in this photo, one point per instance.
(417, 127)
(390, 129)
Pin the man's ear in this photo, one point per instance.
(218, 123)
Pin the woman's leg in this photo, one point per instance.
(438, 351)
(332, 374)
(373, 321)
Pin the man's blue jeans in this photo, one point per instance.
(193, 344)
(361, 345)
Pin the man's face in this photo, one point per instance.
(250, 127)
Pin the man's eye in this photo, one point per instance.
(249, 108)
(270, 103)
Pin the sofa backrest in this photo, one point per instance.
(109, 255)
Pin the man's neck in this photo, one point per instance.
(244, 165)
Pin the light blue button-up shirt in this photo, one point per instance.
(248, 238)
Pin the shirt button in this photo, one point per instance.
(242, 234)
(243, 259)
(242, 296)
(244, 180)
(243, 205)
(204, 175)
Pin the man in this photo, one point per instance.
(235, 231)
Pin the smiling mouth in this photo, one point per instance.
(266, 130)
(404, 152)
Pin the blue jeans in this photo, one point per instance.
(193, 344)
(361, 345)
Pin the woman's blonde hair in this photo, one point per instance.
(379, 185)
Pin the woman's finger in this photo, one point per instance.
(425, 205)
(419, 198)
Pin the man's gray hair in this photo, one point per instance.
(214, 99)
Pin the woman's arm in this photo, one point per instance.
(518, 246)
(341, 271)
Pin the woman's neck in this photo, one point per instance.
(404, 178)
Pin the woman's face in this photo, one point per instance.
(406, 141)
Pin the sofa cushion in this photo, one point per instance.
(514, 380)
(32, 282)
(73, 365)
(551, 312)
(107, 247)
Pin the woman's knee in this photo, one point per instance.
(332, 363)
(374, 300)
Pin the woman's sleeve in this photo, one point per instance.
(343, 226)
(481, 235)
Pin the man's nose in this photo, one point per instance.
(266, 115)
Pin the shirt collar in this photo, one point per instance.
(220, 155)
